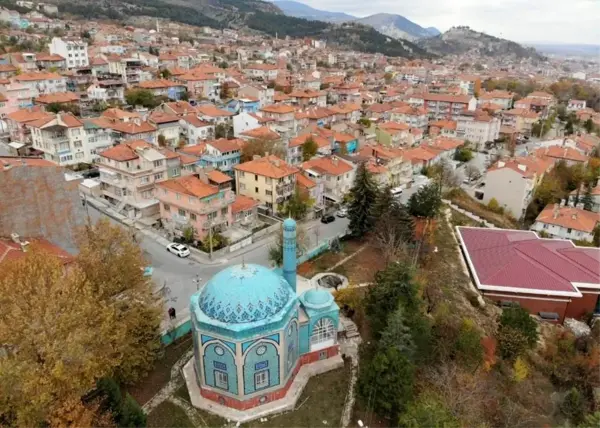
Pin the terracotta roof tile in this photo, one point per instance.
(189, 185)
(569, 218)
(243, 203)
(270, 166)
(331, 165)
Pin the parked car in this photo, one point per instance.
(342, 212)
(179, 250)
(327, 218)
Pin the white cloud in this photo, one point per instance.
(561, 21)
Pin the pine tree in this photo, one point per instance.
(587, 199)
(363, 195)
(384, 202)
(398, 335)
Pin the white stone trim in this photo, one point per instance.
(509, 296)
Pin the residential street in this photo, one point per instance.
(179, 274)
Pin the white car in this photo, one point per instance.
(342, 212)
(179, 250)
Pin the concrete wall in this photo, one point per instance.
(509, 188)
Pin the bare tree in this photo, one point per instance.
(445, 174)
(472, 172)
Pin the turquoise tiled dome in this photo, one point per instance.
(244, 293)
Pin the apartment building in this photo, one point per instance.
(268, 180)
(477, 127)
(264, 72)
(392, 133)
(416, 117)
(503, 99)
(195, 201)
(16, 96)
(567, 222)
(196, 130)
(282, 115)
(336, 174)
(164, 88)
(520, 120)
(128, 173)
(512, 182)
(264, 95)
(294, 147)
(214, 115)
(443, 106)
(308, 97)
(73, 50)
(166, 125)
(40, 83)
(222, 155)
(107, 91)
(398, 169)
(62, 139)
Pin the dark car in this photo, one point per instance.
(327, 218)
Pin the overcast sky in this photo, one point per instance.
(563, 21)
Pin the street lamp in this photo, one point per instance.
(197, 282)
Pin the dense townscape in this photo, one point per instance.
(239, 213)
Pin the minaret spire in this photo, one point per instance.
(289, 252)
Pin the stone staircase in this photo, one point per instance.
(349, 328)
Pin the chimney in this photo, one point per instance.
(555, 211)
(574, 216)
(15, 238)
(501, 164)
(522, 167)
(334, 159)
(24, 246)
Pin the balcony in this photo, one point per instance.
(284, 188)
(217, 204)
(215, 222)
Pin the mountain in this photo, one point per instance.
(301, 10)
(559, 49)
(433, 31)
(397, 26)
(463, 40)
(256, 15)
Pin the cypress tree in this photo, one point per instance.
(363, 197)
(587, 199)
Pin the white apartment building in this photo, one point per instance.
(74, 50)
(42, 83)
(512, 182)
(477, 128)
(61, 138)
(336, 174)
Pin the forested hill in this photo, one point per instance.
(253, 14)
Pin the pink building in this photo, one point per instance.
(192, 201)
(15, 97)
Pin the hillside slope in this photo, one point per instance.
(301, 10)
(397, 26)
(253, 14)
(463, 40)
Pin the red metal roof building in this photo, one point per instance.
(541, 275)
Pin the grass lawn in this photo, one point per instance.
(462, 199)
(324, 262)
(322, 400)
(167, 414)
(147, 387)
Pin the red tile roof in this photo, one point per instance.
(189, 185)
(10, 250)
(519, 262)
(243, 203)
(331, 165)
(218, 177)
(269, 166)
(569, 218)
(224, 145)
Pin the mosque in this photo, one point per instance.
(257, 339)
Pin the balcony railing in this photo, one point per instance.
(217, 204)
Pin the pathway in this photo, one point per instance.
(169, 389)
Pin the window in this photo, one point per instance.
(192, 216)
(157, 163)
(147, 194)
(255, 177)
(256, 190)
(144, 180)
(268, 180)
(242, 186)
(323, 331)
(221, 379)
(78, 144)
(261, 379)
(181, 212)
(224, 211)
(166, 207)
(322, 355)
(158, 176)
(212, 216)
(569, 230)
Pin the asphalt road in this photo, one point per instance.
(179, 275)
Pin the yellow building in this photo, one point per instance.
(269, 180)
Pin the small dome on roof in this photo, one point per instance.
(289, 223)
(317, 299)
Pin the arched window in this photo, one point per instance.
(323, 333)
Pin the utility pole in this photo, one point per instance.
(210, 240)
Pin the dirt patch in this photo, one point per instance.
(146, 388)
(167, 414)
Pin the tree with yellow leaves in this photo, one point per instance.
(57, 336)
(62, 328)
(520, 370)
